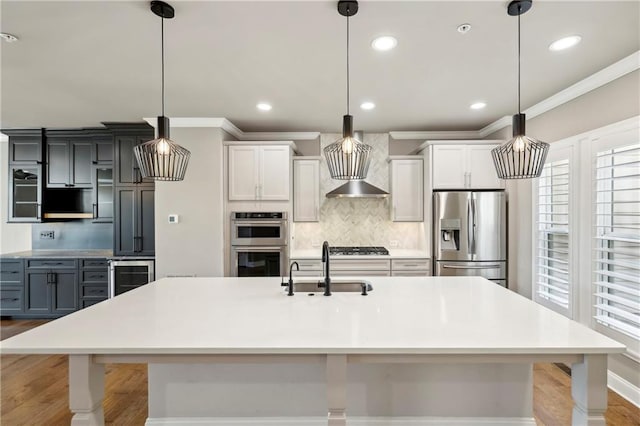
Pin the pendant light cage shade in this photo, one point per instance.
(348, 158)
(162, 159)
(520, 158)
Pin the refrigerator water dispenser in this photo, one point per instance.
(450, 234)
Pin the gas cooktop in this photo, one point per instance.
(362, 251)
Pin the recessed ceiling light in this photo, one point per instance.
(367, 105)
(464, 28)
(10, 38)
(565, 43)
(383, 43)
(478, 105)
(263, 106)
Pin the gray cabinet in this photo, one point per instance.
(11, 287)
(69, 160)
(93, 280)
(134, 221)
(50, 287)
(133, 196)
(25, 175)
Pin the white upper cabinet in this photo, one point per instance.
(306, 190)
(407, 189)
(259, 172)
(464, 167)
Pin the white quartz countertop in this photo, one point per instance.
(402, 315)
(393, 254)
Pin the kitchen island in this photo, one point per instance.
(238, 351)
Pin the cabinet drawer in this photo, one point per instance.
(11, 266)
(85, 303)
(93, 291)
(10, 300)
(10, 277)
(411, 273)
(94, 276)
(94, 263)
(360, 265)
(410, 264)
(308, 265)
(360, 273)
(52, 263)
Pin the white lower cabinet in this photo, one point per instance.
(306, 190)
(407, 188)
(365, 267)
(411, 267)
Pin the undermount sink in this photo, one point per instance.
(338, 286)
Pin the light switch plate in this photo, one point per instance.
(174, 218)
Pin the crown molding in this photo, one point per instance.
(500, 123)
(278, 136)
(465, 134)
(605, 76)
(229, 127)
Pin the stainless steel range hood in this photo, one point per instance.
(357, 189)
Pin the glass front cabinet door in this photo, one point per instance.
(25, 193)
(103, 193)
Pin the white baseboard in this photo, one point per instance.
(625, 389)
(351, 421)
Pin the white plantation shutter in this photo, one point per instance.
(552, 268)
(617, 239)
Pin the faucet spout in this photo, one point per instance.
(325, 260)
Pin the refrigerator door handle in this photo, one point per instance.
(472, 249)
(469, 226)
(470, 267)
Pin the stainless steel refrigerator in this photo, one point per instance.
(470, 234)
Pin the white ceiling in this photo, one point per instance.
(83, 62)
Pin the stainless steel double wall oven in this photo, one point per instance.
(259, 244)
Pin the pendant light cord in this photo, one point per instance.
(347, 62)
(519, 13)
(162, 53)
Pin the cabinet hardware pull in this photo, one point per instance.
(39, 211)
(95, 215)
(470, 267)
(94, 162)
(10, 272)
(9, 299)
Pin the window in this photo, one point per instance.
(617, 239)
(552, 269)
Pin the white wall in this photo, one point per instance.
(13, 236)
(195, 245)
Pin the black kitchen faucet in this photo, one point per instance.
(325, 260)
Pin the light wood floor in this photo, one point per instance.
(34, 391)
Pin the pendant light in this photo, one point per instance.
(161, 158)
(348, 158)
(522, 157)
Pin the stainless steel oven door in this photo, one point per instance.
(255, 233)
(125, 275)
(258, 261)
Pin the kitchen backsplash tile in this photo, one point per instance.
(72, 235)
(358, 221)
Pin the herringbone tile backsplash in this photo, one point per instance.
(358, 221)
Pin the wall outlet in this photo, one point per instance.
(174, 218)
(47, 235)
(393, 243)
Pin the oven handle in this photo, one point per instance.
(258, 248)
(251, 223)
